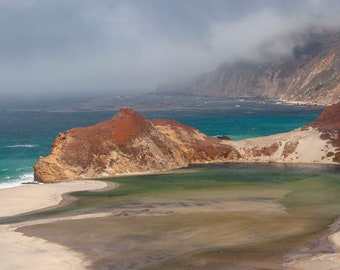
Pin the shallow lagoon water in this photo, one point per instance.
(226, 216)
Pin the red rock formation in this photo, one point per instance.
(329, 119)
(128, 143)
(328, 123)
(265, 151)
(196, 146)
(289, 148)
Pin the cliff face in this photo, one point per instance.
(310, 75)
(328, 123)
(128, 143)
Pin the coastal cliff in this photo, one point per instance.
(310, 75)
(128, 143)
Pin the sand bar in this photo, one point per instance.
(21, 252)
(28, 198)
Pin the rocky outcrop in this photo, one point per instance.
(194, 145)
(128, 143)
(328, 123)
(309, 76)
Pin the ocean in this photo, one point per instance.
(27, 133)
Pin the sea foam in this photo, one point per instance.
(24, 178)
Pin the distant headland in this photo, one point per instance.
(310, 75)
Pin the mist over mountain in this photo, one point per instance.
(57, 48)
(308, 74)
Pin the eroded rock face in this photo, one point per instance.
(329, 118)
(328, 123)
(289, 148)
(195, 146)
(265, 150)
(128, 143)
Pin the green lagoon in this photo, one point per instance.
(226, 216)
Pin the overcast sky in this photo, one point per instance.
(50, 47)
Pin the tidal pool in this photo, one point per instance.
(226, 216)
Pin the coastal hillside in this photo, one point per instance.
(128, 143)
(310, 75)
(318, 142)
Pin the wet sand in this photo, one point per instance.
(32, 197)
(324, 254)
(249, 230)
(19, 251)
(181, 239)
(240, 229)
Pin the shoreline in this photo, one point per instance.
(23, 252)
(27, 198)
(39, 253)
(325, 255)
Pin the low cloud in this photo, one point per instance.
(59, 47)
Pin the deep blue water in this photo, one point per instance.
(26, 135)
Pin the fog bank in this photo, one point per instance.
(60, 47)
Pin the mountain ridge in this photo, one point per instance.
(310, 75)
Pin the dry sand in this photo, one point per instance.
(21, 252)
(309, 149)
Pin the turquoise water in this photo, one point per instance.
(26, 135)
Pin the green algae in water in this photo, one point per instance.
(202, 231)
(307, 185)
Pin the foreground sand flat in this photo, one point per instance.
(22, 252)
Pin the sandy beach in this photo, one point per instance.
(22, 252)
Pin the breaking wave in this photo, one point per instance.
(24, 178)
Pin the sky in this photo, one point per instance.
(76, 47)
